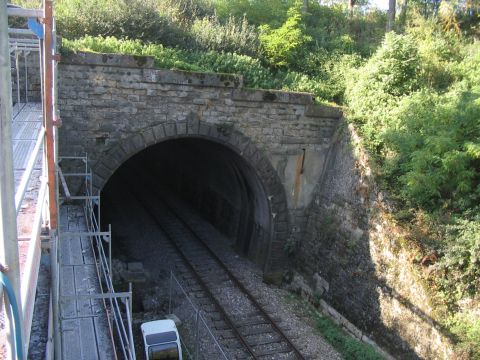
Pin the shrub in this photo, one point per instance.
(231, 36)
(255, 75)
(258, 12)
(375, 89)
(132, 19)
(284, 46)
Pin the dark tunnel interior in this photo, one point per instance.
(210, 178)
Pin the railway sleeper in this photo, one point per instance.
(272, 349)
(264, 339)
(256, 329)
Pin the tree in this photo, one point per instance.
(391, 14)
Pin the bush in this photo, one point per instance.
(255, 75)
(231, 36)
(435, 142)
(258, 12)
(125, 19)
(460, 265)
(375, 89)
(284, 46)
(417, 102)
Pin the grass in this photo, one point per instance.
(349, 347)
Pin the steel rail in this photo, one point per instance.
(240, 286)
(233, 277)
(198, 278)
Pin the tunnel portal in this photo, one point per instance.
(212, 179)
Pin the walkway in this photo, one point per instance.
(84, 325)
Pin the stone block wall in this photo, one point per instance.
(114, 106)
(351, 258)
(323, 200)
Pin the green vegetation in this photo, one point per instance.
(349, 347)
(414, 95)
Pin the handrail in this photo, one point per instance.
(173, 278)
(118, 321)
(126, 340)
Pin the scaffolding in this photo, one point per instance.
(26, 160)
(118, 305)
(29, 155)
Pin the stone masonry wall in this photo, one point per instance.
(114, 106)
(323, 201)
(352, 259)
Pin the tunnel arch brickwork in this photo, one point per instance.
(114, 106)
(105, 167)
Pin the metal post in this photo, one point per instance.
(25, 54)
(130, 290)
(170, 293)
(8, 220)
(99, 209)
(17, 69)
(48, 112)
(109, 251)
(197, 337)
(54, 237)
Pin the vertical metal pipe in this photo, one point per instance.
(48, 112)
(8, 220)
(109, 251)
(25, 54)
(197, 333)
(170, 293)
(54, 236)
(17, 69)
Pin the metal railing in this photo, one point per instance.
(198, 340)
(23, 47)
(117, 305)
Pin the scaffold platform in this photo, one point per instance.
(84, 326)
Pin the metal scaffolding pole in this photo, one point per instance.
(8, 222)
(48, 112)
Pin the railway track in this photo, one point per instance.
(258, 334)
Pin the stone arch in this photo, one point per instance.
(225, 135)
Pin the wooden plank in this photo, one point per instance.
(104, 341)
(87, 338)
(65, 254)
(87, 251)
(76, 257)
(67, 287)
(93, 339)
(82, 284)
(71, 343)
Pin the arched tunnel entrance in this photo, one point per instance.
(207, 176)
